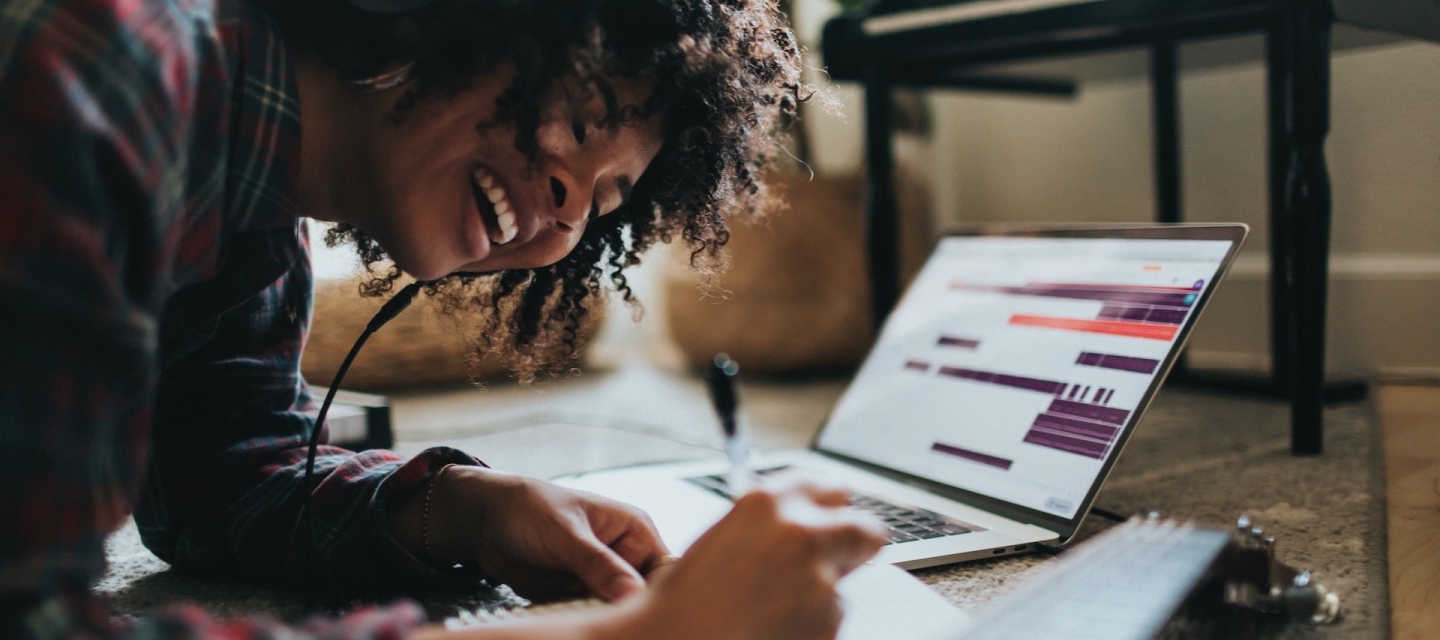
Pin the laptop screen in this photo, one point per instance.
(1014, 365)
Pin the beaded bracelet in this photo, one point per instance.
(425, 511)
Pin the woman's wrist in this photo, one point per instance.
(460, 506)
(427, 520)
(425, 516)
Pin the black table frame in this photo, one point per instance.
(1298, 85)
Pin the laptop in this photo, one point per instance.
(1000, 392)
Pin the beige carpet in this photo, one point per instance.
(1195, 456)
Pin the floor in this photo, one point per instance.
(1410, 417)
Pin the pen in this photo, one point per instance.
(720, 378)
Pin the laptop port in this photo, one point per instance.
(998, 551)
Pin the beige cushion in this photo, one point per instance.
(418, 348)
(797, 295)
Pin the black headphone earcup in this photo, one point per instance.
(389, 6)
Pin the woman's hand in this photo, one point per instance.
(767, 570)
(544, 540)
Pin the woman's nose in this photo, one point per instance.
(570, 198)
(558, 190)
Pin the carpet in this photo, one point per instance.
(1195, 456)
(1210, 458)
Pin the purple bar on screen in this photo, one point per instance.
(1102, 293)
(1135, 313)
(1072, 425)
(1029, 384)
(1144, 313)
(1107, 397)
(1067, 444)
(976, 456)
(1094, 412)
(1120, 363)
(965, 343)
(1166, 315)
(1119, 294)
(1073, 389)
(916, 365)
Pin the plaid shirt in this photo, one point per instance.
(155, 294)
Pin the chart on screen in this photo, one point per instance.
(1013, 365)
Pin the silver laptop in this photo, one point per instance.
(999, 394)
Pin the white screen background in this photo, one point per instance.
(978, 294)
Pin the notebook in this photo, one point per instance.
(998, 395)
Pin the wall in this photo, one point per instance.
(1003, 158)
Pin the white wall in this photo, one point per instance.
(1004, 158)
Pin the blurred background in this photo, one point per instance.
(797, 294)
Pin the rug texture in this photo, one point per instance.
(1195, 456)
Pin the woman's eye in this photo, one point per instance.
(577, 127)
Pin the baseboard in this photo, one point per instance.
(1409, 375)
(1353, 266)
(1228, 361)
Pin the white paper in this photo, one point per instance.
(883, 601)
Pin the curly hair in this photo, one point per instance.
(725, 77)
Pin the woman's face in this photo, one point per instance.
(443, 189)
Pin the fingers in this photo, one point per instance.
(657, 569)
(629, 532)
(602, 570)
(769, 568)
(639, 543)
(851, 538)
(856, 540)
(843, 539)
(837, 540)
(821, 490)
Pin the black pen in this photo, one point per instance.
(720, 378)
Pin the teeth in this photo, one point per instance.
(507, 223)
(504, 212)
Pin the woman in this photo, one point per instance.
(156, 159)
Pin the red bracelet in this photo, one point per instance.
(425, 511)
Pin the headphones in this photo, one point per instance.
(388, 6)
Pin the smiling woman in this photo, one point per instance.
(532, 150)
(157, 164)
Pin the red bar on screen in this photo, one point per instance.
(1111, 327)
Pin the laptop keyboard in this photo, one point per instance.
(907, 524)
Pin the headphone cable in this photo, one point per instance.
(388, 312)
